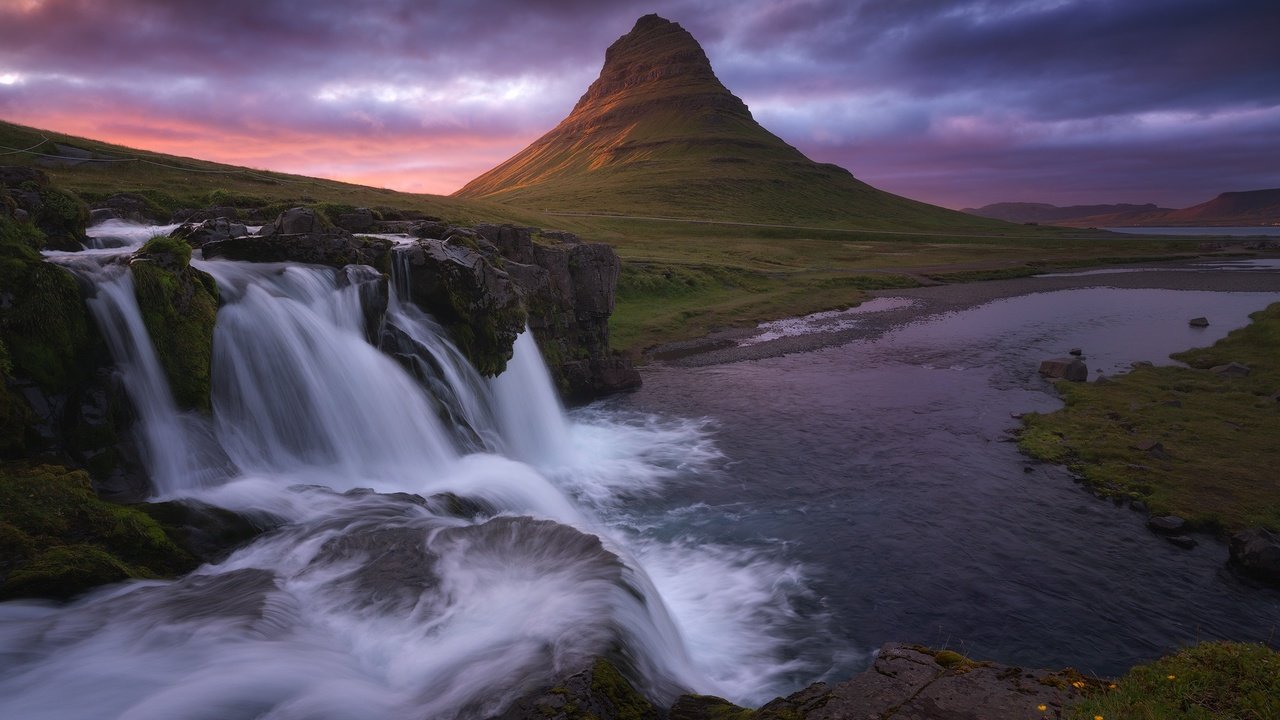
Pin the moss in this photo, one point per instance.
(179, 305)
(61, 539)
(1216, 451)
(627, 704)
(45, 328)
(1206, 681)
(62, 216)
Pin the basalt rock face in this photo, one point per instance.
(569, 288)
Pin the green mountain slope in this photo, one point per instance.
(658, 134)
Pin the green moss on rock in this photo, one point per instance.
(62, 217)
(179, 305)
(44, 324)
(58, 539)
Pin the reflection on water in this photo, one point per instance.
(884, 467)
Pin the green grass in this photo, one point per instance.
(743, 273)
(1217, 468)
(1209, 681)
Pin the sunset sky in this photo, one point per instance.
(958, 103)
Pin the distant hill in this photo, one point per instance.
(1254, 207)
(658, 134)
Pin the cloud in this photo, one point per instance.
(956, 103)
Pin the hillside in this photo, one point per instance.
(1254, 207)
(657, 134)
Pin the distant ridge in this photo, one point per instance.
(658, 134)
(1247, 208)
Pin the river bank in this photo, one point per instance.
(879, 315)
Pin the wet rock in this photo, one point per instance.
(301, 235)
(916, 683)
(1077, 352)
(374, 296)
(199, 234)
(1198, 322)
(1182, 541)
(470, 296)
(1256, 552)
(1141, 364)
(1137, 505)
(131, 207)
(1166, 524)
(1071, 369)
(209, 533)
(599, 692)
(1231, 369)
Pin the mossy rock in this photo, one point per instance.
(59, 539)
(62, 217)
(45, 326)
(179, 305)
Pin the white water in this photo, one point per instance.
(365, 605)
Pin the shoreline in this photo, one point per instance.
(725, 345)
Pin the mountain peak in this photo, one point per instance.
(658, 57)
(658, 134)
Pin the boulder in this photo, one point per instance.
(1072, 369)
(1166, 524)
(199, 234)
(374, 292)
(1256, 552)
(1198, 322)
(1183, 541)
(1075, 352)
(598, 691)
(131, 207)
(360, 220)
(1231, 369)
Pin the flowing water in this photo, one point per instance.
(450, 542)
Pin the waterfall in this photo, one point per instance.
(481, 568)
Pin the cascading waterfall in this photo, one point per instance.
(483, 585)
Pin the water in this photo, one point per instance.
(392, 606)
(885, 468)
(739, 530)
(1249, 231)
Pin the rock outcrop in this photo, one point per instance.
(60, 216)
(178, 305)
(905, 683)
(1072, 369)
(302, 235)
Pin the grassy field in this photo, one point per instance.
(681, 278)
(1217, 453)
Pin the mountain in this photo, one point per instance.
(657, 134)
(1249, 208)
(1044, 213)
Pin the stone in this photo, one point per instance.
(360, 220)
(1152, 447)
(1071, 369)
(1166, 524)
(1256, 552)
(1077, 352)
(1231, 369)
(1198, 322)
(1137, 505)
(374, 291)
(1182, 541)
(1141, 364)
(301, 235)
(198, 235)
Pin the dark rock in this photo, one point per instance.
(913, 683)
(101, 215)
(1167, 524)
(1182, 541)
(471, 297)
(1137, 505)
(1198, 322)
(599, 692)
(13, 176)
(1231, 369)
(1257, 553)
(360, 220)
(179, 305)
(1076, 352)
(301, 235)
(374, 296)
(1141, 364)
(1153, 448)
(430, 229)
(199, 234)
(209, 533)
(1072, 369)
(131, 207)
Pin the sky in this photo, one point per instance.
(954, 102)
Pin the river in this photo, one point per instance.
(738, 529)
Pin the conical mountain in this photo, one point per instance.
(657, 134)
